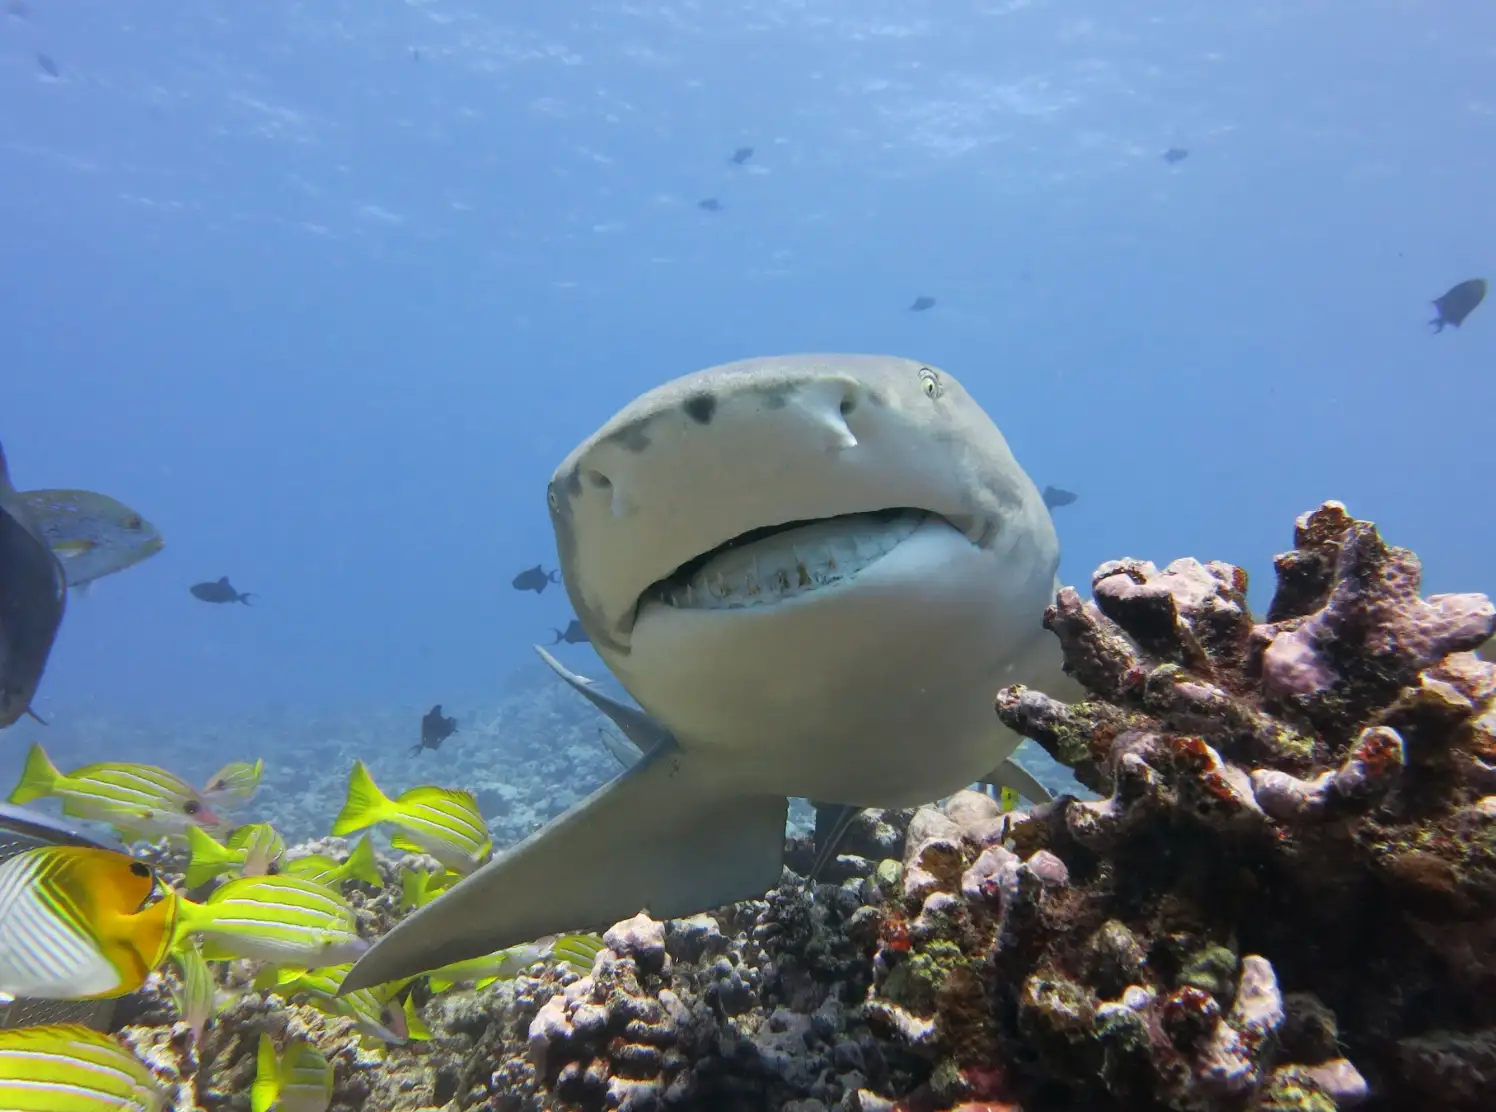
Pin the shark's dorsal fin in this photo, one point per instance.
(637, 726)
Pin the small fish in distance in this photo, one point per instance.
(711, 204)
(922, 303)
(741, 155)
(220, 591)
(1054, 497)
(1175, 155)
(435, 729)
(574, 634)
(33, 599)
(535, 579)
(1458, 303)
(47, 66)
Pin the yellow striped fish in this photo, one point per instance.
(285, 920)
(443, 822)
(138, 800)
(298, 1080)
(373, 1011)
(197, 997)
(68, 1068)
(418, 887)
(578, 951)
(359, 865)
(254, 850)
(234, 785)
(79, 923)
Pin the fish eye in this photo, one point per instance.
(551, 499)
(929, 382)
(140, 868)
(192, 806)
(132, 522)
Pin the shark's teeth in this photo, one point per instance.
(791, 563)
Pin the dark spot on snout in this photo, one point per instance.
(700, 408)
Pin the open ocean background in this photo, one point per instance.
(326, 290)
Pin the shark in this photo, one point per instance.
(811, 573)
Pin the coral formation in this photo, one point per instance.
(1286, 898)
(1283, 900)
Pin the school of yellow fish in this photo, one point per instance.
(83, 923)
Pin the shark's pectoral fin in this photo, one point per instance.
(1011, 774)
(622, 752)
(669, 836)
(637, 726)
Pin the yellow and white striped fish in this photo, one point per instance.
(197, 997)
(374, 1011)
(254, 850)
(577, 951)
(360, 865)
(444, 822)
(234, 785)
(79, 923)
(298, 1080)
(418, 887)
(68, 1068)
(138, 800)
(285, 920)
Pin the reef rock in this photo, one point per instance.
(1286, 898)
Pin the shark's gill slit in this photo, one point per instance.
(774, 562)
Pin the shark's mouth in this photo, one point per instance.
(767, 565)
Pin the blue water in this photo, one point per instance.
(326, 290)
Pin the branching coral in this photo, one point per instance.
(1287, 897)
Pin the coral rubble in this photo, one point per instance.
(1286, 898)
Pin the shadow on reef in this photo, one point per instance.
(1287, 897)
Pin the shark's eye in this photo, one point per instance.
(551, 499)
(929, 381)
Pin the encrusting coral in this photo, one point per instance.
(1287, 897)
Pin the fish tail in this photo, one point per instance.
(206, 858)
(366, 804)
(362, 865)
(559, 635)
(554, 575)
(266, 1087)
(245, 596)
(415, 1027)
(439, 985)
(38, 778)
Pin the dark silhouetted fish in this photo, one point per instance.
(435, 729)
(573, 635)
(1175, 154)
(711, 204)
(921, 303)
(741, 155)
(219, 592)
(47, 66)
(1054, 497)
(1458, 303)
(33, 599)
(535, 579)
